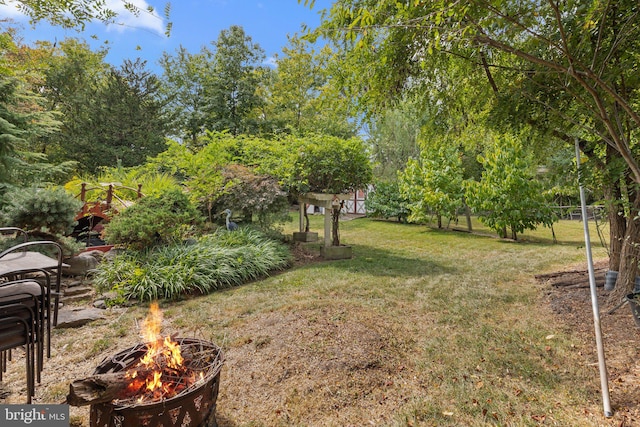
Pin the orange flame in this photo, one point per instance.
(160, 352)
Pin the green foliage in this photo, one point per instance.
(183, 81)
(10, 134)
(508, 194)
(45, 213)
(301, 96)
(394, 139)
(153, 220)
(385, 201)
(253, 195)
(111, 116)
(125, 183)
(231, 87)
(46, 210)
(327, 164)
(434, 186)
(215, 261)
(77, 14)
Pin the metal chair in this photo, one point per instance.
(17, 262)
(22, 317)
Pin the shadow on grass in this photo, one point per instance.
(379, 262)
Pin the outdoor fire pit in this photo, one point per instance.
(160, 383)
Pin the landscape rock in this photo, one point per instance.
(82, 264)
(73, 318)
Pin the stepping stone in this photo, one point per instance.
(72, 318)
(78, 290)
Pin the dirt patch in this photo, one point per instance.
(569, 296)
(310, 363)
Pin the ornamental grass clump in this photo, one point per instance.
(215, 261)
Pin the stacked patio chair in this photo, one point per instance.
(22, 324)
(23, 260)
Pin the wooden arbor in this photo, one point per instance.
(325, 201)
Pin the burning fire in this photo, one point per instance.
(160, 373)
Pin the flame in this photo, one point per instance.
(160, 353)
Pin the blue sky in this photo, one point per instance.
(196, 23)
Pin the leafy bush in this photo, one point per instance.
(167, 217)
(385, 201)
(253, 195)
(508, 194)
(216, 261)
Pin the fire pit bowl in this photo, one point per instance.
(192, 407)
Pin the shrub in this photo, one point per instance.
(215, 261)
(253, 195)
(161, 219)
(385, 201)
(45, 213)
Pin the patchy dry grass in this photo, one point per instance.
(422, 327)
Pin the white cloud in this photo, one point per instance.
(10, 10)
(125, 20)
(271, 61)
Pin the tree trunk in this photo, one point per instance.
(617, 224)
(306, 217)
(629, 255)
(335, 224)
(467, 214)
(615, 210)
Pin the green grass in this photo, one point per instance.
(468, 310)
(447, 328)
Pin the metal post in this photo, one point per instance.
(604, 383)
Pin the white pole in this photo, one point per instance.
(604, 383)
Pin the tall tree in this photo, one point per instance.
(110, 116)
(233, 82)
(25, 122)
(183, 86)
(127, 118)
(394, 139)
(72, 80)
(302, 97)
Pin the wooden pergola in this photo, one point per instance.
(326, 201)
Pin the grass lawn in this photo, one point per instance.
(422, 327)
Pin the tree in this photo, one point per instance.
(394, 139)
(126, 119)
(183, 88)
(10, 134)
(231, 86)
(326, 164)
(508, 195)
(437, 181)
(253, 194)
(25, 122)
(386, 201)
(302, 98)
(109, 115)
(73, 77)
